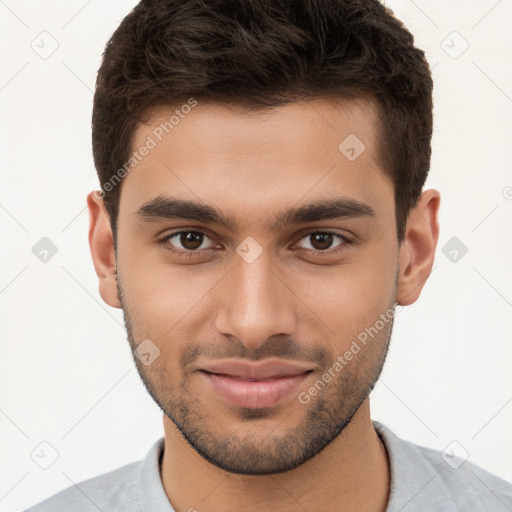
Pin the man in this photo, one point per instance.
(261, 219)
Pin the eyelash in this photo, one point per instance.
(315, 253)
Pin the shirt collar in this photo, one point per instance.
(411, 475)
(415, 483)
(152, 496)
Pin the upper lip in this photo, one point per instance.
(256, 371)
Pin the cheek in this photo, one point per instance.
(352, 296)
(168, 303)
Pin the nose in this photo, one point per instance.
(255, 304)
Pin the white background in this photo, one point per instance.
(66, 372)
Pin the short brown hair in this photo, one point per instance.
(260, 53)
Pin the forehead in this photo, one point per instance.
(249, 161)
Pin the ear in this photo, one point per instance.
(101, 243)
(418, 249)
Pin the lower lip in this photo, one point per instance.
(254, 394)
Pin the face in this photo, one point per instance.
(256, 255)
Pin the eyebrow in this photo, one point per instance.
(168, 208)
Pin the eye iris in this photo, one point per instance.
(324, 239)
(191, 240)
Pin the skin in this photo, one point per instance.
(298, 300)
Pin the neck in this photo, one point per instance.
(352, 473)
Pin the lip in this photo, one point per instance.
(254, 385)
(263, 370)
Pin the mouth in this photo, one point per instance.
(270, 379)
(252, 371)
(254, 386)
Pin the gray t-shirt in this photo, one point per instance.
(421, 480)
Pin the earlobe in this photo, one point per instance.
(101, 244)
(417, 252)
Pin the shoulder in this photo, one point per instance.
(425, 479)
(116, 490)
(470, 486)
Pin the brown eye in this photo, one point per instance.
(189, 240)
(323, 240)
